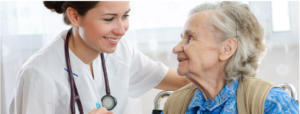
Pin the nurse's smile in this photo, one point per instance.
(112, 41)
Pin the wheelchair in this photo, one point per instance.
(163, 94)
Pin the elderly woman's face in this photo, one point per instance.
(198, 50)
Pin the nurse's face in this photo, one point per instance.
(103, 26)
(198, 50)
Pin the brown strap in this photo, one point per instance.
(240, 99)
(251, 95)
(179, 101)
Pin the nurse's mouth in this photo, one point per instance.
(112, 41)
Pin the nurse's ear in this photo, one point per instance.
(73, 15)
(227, 48)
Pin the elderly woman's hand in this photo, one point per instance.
(101, 110)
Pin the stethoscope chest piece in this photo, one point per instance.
(109, 102)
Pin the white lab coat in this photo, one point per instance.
(43, 87)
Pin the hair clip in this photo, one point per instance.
(236, 27)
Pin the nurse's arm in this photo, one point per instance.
(172, 81)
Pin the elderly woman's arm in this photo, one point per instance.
(172, 81)
(278, 101)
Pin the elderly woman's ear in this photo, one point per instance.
(227, 48)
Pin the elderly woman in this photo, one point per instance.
(219, 53)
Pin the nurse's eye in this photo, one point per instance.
(110, 19)
(125, 16)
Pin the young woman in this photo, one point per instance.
(71, 65)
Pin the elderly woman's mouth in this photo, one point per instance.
(181, 59)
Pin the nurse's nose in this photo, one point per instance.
(178, 48)
(120, 29)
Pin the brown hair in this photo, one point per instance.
(61, 7)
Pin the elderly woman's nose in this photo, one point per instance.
(177, 49)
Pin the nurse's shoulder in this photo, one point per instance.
(46, 61)
(37, 81)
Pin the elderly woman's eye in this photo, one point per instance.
(190, 38)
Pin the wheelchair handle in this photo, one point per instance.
(291, 88)
(158, 98)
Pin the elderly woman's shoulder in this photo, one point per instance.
(179, 100)
(187, 92)
(188, 87)
(252, 80)
(280, 101)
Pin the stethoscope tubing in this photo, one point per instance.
(105, 75)
(74, 93)
(74, 96)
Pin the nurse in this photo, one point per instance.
(43, 85)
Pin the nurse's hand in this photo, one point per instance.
(101, 110)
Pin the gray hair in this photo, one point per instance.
(235, 20)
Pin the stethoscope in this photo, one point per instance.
(108, 101)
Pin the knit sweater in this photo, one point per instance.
(251, 95)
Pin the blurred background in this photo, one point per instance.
(155, 27)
